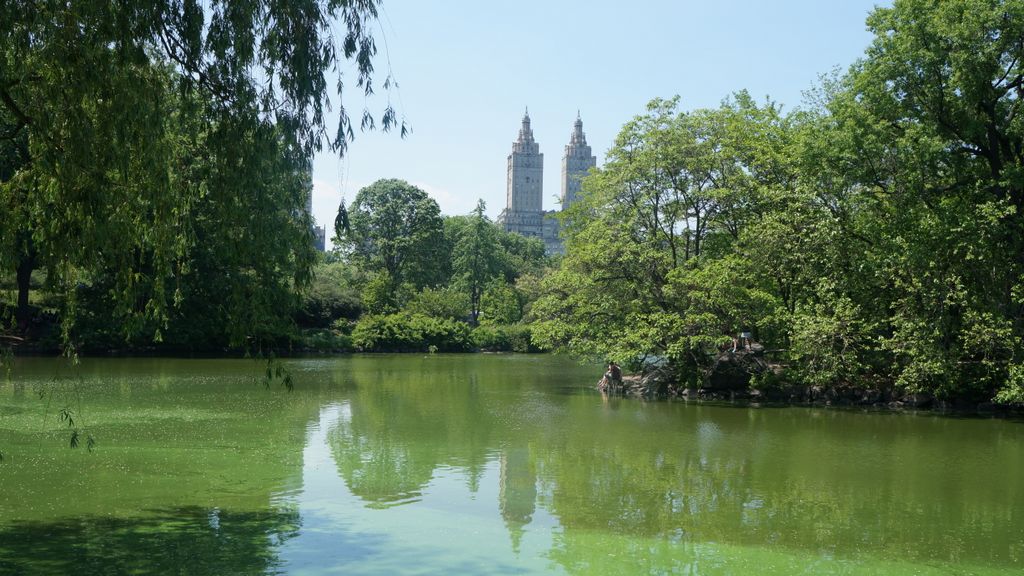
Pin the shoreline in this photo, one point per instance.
(634, 386)
(839, 397)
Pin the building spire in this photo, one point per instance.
(578, 138)
(577, 160)
(525, 133)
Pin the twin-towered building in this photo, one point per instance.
(524, 212)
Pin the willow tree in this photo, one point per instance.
(89, 156)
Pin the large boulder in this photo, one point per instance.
(733, 370)
(655, 383)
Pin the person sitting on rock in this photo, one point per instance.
(614, 374)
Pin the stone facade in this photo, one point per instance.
(524, 192)
(320, 238)
(576, 162)
(525, 185)
(524, 211)
(319, 232)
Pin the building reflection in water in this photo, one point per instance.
(517, 495)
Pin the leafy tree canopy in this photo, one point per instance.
(395, 229)
(875, 238)
(121, 121)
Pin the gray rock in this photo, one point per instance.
(918, 400)
(733, 370)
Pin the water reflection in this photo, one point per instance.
(188, 540)
(832, 487)
(517, 492)
(383, 465)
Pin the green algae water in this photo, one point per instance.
(480, 464)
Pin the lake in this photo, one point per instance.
(480, 464)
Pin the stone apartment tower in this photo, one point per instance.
(524, 210)
(319, 232)
(525, 188)
(577, 160)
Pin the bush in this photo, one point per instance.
(508, 338)
(332, 295)
(439, 303)
(326, 341)
(410, 333)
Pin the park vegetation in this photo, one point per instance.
(154, 159)
(154, 166)
(873, 238)
(427, 282)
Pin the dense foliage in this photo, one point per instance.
(154, 156)
(394, 231)
(873, 239)
(433, 283)
(411, 332)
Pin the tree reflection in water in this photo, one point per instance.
(174, 541)
(702, 479)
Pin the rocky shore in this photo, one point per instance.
(731, 376)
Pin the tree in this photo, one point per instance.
(521, 255)
(333, 295)
(876, 238)
(85, 100)
(937, 99)
(446, 302)
(16, 241)
(654, 262)
(476, 257)
(395, 230)
(251, 253)
(501, 303)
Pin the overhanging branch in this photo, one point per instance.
(23, 118)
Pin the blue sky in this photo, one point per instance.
(466, 71)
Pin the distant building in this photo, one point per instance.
(319, 232)
(524, 212)
(320, 238)
(576, 162)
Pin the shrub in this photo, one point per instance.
(332, 295)
(439, 303)
(319, 340)
(506, 338)
(404, 332)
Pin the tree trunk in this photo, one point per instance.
(24, 277)
(474, 305)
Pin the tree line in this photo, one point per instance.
(154, 161)
(417, 280)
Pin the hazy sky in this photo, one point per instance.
(466, 71)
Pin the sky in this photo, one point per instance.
(466, 72)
